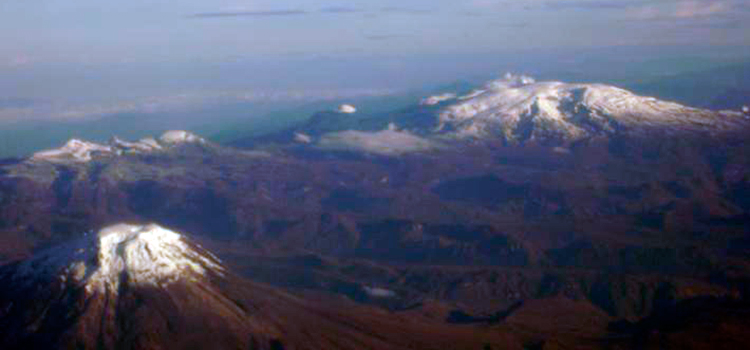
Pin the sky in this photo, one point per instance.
(160, 30)
(66, 59)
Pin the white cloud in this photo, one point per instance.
(186, 101)
(347, 109)
(684, 9)
(389, 142)
(486, 3)
(691, 9)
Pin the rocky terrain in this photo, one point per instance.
(595, 240)
(147, 287)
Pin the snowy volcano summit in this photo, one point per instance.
(146, 287)
(137, 255)
(125, 281)
(518, 108)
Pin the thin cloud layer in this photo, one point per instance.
(687, 10)
(405, 10)
(148, 31)
(385, 37)
(278, 13)
(389, 142)
(691, 9)
(632, 9)
(339, 9)
(12, 110)
(297, 12)
(590, 5)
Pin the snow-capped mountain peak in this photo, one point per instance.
(74, 150)
(148, 255)
(519, 108)
(78, 151)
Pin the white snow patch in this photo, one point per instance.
(74, 151)
(142, 146)
(433, 100)
(746, 109)
(302, 138)
(390, 142)
(348, 109)
(173, 137)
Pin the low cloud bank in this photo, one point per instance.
(390, 142)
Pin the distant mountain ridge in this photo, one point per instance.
(76, 150)
(518, 109)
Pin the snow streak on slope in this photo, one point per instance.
(433, 100)
(143, 146)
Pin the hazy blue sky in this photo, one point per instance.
(77, 58)
(160, 30)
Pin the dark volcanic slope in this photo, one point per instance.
(462, 235)
(145, 287)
